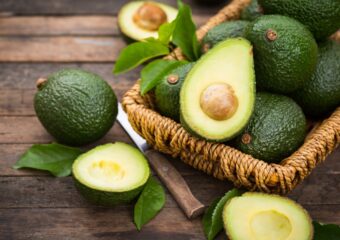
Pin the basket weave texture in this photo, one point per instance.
(218, 159)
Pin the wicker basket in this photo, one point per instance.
(220, 160)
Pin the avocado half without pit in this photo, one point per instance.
(111, 174)
(218, 94)
(138, 20)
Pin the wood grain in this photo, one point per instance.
(60, 49)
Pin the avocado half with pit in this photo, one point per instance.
(138, 20)
(217, 97)
(111, 174)
(259, 216)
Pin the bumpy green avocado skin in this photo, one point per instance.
(285, 53)
(322, 17)
(321, 94)
(75, 106)
(167, 94)
(276, 129)
(223, 31)
(252, 11)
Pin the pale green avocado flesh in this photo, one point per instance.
(259, 216)
(128, 26)
(111, 174)
(230, 64)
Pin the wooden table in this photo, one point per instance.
(38, 37)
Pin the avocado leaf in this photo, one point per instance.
(212, 219)
(165, 32)
(152, 73)
(137, 53)
(149, 203)
(326, 231)
(55, 158)
(184, 33)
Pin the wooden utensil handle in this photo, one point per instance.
(177, 186)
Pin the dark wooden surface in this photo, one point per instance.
(39, 37)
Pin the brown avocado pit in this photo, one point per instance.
(219, 101)
(149, 16)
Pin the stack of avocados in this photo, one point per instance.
(282, 47)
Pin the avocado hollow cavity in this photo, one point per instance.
(218, 101)
(149, 16)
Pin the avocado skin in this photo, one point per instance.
(167, 95)
(104, 198)
(252, 11)
(277, 128)
(321, 94)
(223, 31)
(76, 107)
(282, 65)
(322, 17)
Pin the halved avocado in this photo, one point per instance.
(111, 174)
(259, 216)
(138, 20)
(217, 97)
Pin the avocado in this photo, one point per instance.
(252, 11)
(111, 174)
(76, 107)
(167, 91)
(276, 129)
(259, 216)
(218, 94)
(223, 31)
(285, 53)
(138, 20)
(322, 17)
(321, 94)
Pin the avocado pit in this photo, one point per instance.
(149, 16)
(219, 101)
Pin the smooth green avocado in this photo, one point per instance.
(76, 107)
(259, 216)
(321, 94)
(322, 17)
(223, 31)
(168, 90)
(285, 53)
(111, 174)
(252, 11)
(138, 20)
(218, 94)
(276, 129)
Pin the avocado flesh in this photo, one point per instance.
(276, 129)
(322, 18)
(258, 216)
(75, 106)
(321, 94)
(230, 63)
(130, 29)
(285, 53)
(111, 174)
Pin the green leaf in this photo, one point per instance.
(55, 158)
(149, 203)
(154, 71)
(184, 34)
(212, 219)
(165, 32)
(137, 53)
(326, 231)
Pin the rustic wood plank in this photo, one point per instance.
(60, 49)
(64, 7)
(65, 25)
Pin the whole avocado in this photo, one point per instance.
(76, 107)
(276, 129)
(322, 17)
(252, 11)
(285, 53)
(223, 31)
(321, 94)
